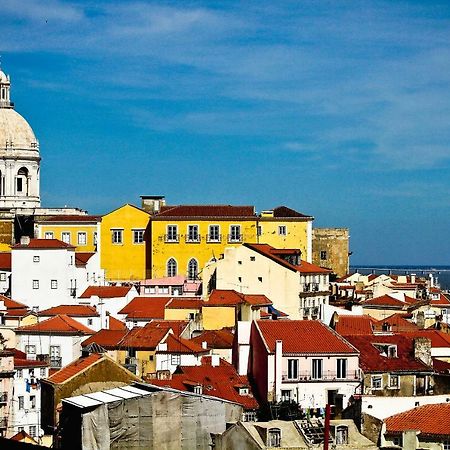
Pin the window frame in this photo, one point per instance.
(293, 366)
(194, 274)
(170, 235)
(372, 382)
(138, 236)
(323, 255)
(393, 376)
(341, 368)
(213, 236)
(81, 241)
(53, 284)
(116, 236)
(282, 230)
(66, 237)
(317, 368)
(172, 271)
(175, 359)
(36, 258)
(49, 235)
(193, 233)
(35, 284)
(233, 236)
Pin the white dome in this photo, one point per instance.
(3, 77)
(16, 130)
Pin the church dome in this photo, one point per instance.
(15, 132)
(3, 77)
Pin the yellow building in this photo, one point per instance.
(184, 238)
(124, 250)
(82, 231)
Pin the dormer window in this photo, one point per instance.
(274, 437)
(198, 389)
(387, 350)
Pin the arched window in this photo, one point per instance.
(22, 181)
(192, 269)
(171, 268)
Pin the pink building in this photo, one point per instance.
(6, 385)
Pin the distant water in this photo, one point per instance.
(441, 273)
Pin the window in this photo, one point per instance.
(286, 395)
(138, 236)
(32, 401)
(274, 437)
(292, 369)
(82, 238)
(116, 236)
(258, 230)
(172, 233)
(341, 368)
(171, 268)
(36, 258)
(65, 237)
(33, 430)
(214, 233)
(394, 382)
(48, 235)
(192, 269)
(175, 360)
(35, 284)
(19, 373)
(446, 445)
(398, 441)
(193, 235)
(250, 416)
(198, 389)
(260, 279)
(317, 365)
(21, 402)
(95, 238)
(55, 356)
(252, 258)
(42, 372)
(282, 230)
(235, 233)
(54, 284)
(19, 185)
(323, 255)
(341, 435)
(377, 382)
(19, 429)
(30, 349)
(2, 276)
(89, 321)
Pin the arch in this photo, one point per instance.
(171, 267)
(22, 181)
(192, 269)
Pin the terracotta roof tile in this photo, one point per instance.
(431, 420)
(146, 308)
(274, 254)
(106, 291)
(20, 361)
(396, 323)
(74, 368)
(438, 338)
(71, 310)
(108, 339)
(5, 261)
(384, 300)
(82, 258)
(58, 324)
(12, 304)
(177, 326)
(351, 325)
(284, 211)
(214, 211)
(443, 300)
(372, 360)
(223, 297)
(303, 336)
(44, 244)
(222, 339)
(144, 338)
(220, 381)
(179, 345)
(115, 324)
(184, 303)
(69, 218)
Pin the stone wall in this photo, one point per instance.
(331, 249)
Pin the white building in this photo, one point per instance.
(26, 404)
(301, 361)
(56, 340)
(19, 155)
(48, 272)
(294, 286)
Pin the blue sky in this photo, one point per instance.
(338, 109)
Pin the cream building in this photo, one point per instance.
(19, 155)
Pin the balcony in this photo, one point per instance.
(213, 239)
(328, 376)
(56, 362)
(171, 238)
(192, 239)
(234, 238)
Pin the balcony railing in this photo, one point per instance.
(353, 375)
(192, 239)
(56, 362)
(213, 239)
(234, 238)
(171, 238)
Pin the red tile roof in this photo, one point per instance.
(214, 211)
(179, 345)
(371, 359)
(443, 300)
(69, 218)
(108, 339)
(351, 325)
(12, 304)
(184, 303)
(145, 308)
(71, 310)
(75, 368)
(82, 258)
(5, 261)
(60, 324)
(177, 326)
(221, 339)
(431, 420)
(438, 338)
(43, 244)
(284, 211)
(223, 297)
(115, 324)
(396, 323)
(106, 291)
(274, 254)
(303, 336)
(442, 367)
(21, 361)
(220, 381)
(385, 301)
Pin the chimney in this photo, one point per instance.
(25, 240)
(422, 350)
(420, 319)
(152, 203)
(215, 360)
(413, 278)
(205, 345)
